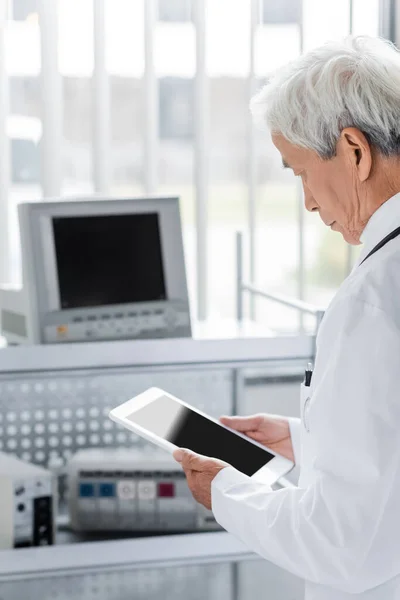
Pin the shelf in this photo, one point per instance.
(140, 553)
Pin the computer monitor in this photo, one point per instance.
(99, 270)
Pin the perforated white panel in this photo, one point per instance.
(53, 415)
(210, 582)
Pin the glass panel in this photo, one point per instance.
(277, 39)
(326, 261)
(276, 241)
(23, 39)
(229, 93)
(277, 42)
(324, 21)
(286, 11)
(22, 10)
(24, 125)
(76, 67)
(124, 23)
(124, 38)
(175, 10)
(366, 17)
(175, 65)
(75, 32)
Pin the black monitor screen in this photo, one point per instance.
(110, 259)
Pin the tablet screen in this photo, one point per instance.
(186, 428)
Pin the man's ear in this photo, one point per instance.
(357, 150)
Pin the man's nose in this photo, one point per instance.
(309, 201)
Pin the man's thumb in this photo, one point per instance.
(178, 455)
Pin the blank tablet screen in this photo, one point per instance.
(186, 428)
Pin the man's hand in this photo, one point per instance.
(269, 430)
(200, 471)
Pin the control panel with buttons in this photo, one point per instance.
(132, 490)
(170, 320)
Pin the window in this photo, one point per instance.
(176, 104)
(75, 65)
(23, 9)
(24, 120)
(175, 10)
(125, 66)
(173, 80)
(284, 11)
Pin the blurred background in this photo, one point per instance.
(136, 97)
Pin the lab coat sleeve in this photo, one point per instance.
(294, 427)
(337, 531)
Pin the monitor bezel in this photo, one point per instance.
(39, 255)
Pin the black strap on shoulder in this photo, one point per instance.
(383, 242)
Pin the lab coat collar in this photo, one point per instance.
(383, 221)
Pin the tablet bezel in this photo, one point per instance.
(269, 473)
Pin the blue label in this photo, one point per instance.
(86, 490)
(107, 490)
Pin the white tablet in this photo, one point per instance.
(170, 423)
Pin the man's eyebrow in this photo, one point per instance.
(285, 164)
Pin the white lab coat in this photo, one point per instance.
(340, 528)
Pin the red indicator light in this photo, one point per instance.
(166, 490)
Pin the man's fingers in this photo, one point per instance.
(190, 478)
(191, 460)
(258, 436)
(243, 423)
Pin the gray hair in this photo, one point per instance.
(352, 83)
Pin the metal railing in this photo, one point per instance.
(242, 286)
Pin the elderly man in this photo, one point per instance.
(334, 115)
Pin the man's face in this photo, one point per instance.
(329, 186)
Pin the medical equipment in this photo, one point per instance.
(98, 270)
(28, 504)
(131, 490)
